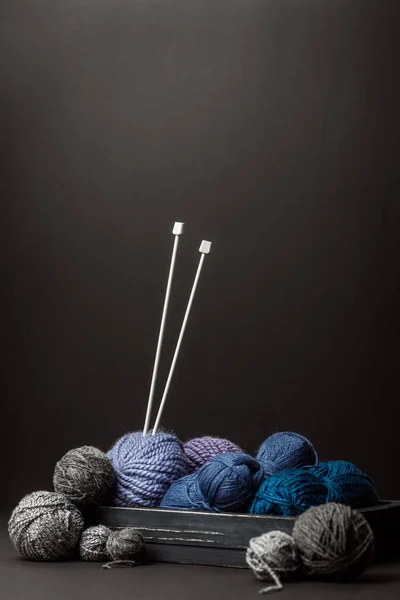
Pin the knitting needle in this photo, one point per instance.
(177, 232)
(204, 249)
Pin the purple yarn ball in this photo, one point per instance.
(145, 467)
(200, 451)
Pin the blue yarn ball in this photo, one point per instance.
(350, 485)
(145, 467)
(291, 492)
(286, 450)
(288, 493)
(227, 483)
(333, 468)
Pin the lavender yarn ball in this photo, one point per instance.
(286, 450)
(200, 451)
(45, 526)
(145, 467)
(93, 544)
(226, 483)
(85, 476)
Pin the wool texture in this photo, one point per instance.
(286, 450)
(45, 526)
(145, 467)
(120, 547)
(291, 492)
(273, 557)
(93, 544)
(200, 451)
(226, 483)
(126, 545)
(334, 541)
(85, 476)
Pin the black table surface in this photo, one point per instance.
(20, 579)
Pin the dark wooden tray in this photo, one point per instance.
(221, 539)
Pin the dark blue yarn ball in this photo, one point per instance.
(333, 468)
(291, 492)
(347, 483)
(227, 483)
(286, 450)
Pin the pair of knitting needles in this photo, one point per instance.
(204, 249)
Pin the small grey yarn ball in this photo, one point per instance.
(93, 545)
(85, 475)
(45, 526)
(273, 557)
(125, 545)
(333, 541)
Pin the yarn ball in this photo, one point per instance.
(85, 475)
(126, 545)
(286, 450)
(99, 543)
(93, 544)
(273, 557)
(288, 493)
(291, 492)
(333, 468)
(200, 451)
(45, 526)
(346, 484)
(145, 467)
(226, 483)
(334, 541)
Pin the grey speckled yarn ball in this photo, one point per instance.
(45, 526)
(93, 545)
(273, 557)
(333, 541)
(125, 544)
(85, 475)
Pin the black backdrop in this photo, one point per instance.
(268, 127)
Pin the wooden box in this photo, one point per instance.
(221, 539)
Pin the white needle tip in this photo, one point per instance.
(205, 247)
(178, 228)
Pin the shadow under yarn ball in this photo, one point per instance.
(286, 450)
(45, 526)
(201, 450)
(86, 476)
(145, 467)
(226, 483)
(334, 541)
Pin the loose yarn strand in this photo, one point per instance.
(272, 588)
(122, 563)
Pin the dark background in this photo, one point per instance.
(268, 127)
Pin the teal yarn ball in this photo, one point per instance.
(286, 450)
(291, 492)
(288, 493)
(333, 468)
(346, 484)
(227, 483)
